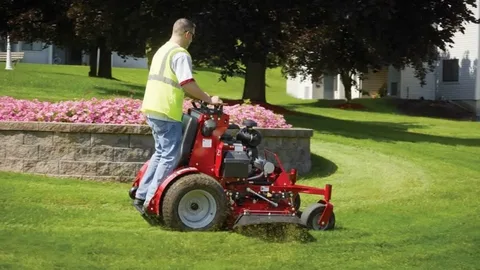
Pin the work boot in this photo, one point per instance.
(138, 204)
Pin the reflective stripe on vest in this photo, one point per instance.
(160, 77)
(163, 94)
(164, 79)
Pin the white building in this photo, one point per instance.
(40, 53)
(455, 77)
(326, 87)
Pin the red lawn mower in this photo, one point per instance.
(221, 181)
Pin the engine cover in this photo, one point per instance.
(236, 164)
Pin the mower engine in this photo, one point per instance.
(259, 190)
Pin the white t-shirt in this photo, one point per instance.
(182, 66)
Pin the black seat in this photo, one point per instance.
(189, 129)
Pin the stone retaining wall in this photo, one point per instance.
(112, 152)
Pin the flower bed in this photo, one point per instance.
(108, 139)
(117, 111)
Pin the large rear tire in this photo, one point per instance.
(195, 202)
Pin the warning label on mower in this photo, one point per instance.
(207, 143)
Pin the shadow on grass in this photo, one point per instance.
(370, 130)
(321, 167)
(421, 108)
(84, 75)
(133, 90)
(277, 233)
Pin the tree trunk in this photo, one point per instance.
(150, 51)
(347, 83)
(105, 62)
(93, 62)
(254, 87)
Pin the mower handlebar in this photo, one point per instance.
(217, 108)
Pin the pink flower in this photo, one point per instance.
(117, 111)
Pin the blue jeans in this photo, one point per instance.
(168, 137)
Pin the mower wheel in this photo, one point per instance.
(195, 202)
(312, 214)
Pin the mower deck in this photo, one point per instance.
(256, 219)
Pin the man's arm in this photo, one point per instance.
(182, 66)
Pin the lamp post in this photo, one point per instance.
(8, 65)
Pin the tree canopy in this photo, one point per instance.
(246, 37)
(89, 25)
(363, 36)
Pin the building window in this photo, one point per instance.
(35, 46)
(394, 88)
(450, 70)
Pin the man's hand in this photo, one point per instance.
(215, 100)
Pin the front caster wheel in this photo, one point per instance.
(195, 202)
(312, 214)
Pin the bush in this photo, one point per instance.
(116, 111)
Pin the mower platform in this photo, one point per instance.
(259, 219)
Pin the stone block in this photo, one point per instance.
(103, 168)
(303, 143)
(85, 128)
(2, 151)
(38, 137)
(22, 151)
(57, 152)
(11, 164)
(73, 139)
(11, 137)
(132, 154)
(113, 140)
(142, 141)
(98, 153)
(121, 169)
(18, 126)
(144, 130)
(55, 127)
(41, 166)
(120, 129)
(280, 132)
(77, 167)
(106, 178)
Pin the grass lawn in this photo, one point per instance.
(53, 83)
(405, 191)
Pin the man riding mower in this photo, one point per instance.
(222, 182)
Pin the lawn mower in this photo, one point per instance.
(222, 182)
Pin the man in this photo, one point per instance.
(170, 77)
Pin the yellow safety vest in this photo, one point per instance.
(163, 93)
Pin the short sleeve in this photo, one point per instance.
(182, 66)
